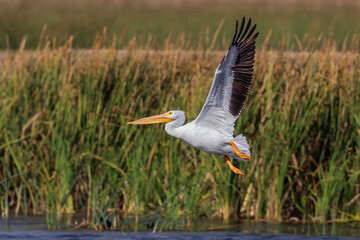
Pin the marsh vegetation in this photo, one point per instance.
(65, 146)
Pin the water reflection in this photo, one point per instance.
(37, 227)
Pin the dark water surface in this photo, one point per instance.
(67, 235)
(36, 228)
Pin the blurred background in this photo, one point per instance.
(157, 19)
(67, 154)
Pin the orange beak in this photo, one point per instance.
(162, 118)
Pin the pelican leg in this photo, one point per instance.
(243, 156)
(234, 169)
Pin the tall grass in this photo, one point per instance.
(65, 146)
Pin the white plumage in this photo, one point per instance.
(212, 131)
(199, 135)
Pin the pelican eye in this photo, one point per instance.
(170, 113)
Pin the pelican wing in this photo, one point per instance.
(232, 81)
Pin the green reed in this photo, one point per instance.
(65, 147)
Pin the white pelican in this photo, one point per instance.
(212, 130)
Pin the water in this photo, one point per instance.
(36, 228)
(66, 235)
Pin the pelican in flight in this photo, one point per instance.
(212, 130)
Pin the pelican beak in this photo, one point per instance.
(162, 118)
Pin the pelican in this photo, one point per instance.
(212, 130)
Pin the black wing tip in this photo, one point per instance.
(243, 68)
(240, 35)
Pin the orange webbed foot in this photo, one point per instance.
(234, 169)
(240, 154)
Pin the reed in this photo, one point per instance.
(65, 147)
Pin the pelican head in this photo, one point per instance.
(171, 116)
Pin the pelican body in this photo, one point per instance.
(212, 130)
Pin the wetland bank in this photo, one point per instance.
(65, 147)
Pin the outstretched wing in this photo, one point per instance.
(232, 81)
